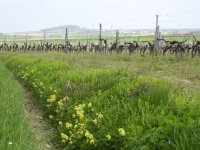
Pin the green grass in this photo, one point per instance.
(15, 132)
(155, 100)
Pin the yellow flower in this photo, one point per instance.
(75, 126)
(52, 99)
(79, 111)
(94, 121)
(65, 98)
(60, 104)
(82, 126)
(81, 132)
(108, 137)
(60, 123)
(68, 125)
(90, 137)
(92, 141)
(64, 141)
(90, 105)
(51, 117)
(64, 136)
(121, 131)
(100, 116)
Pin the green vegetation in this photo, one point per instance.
(15, 132)
(97, 101)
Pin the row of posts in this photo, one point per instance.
(155, 49)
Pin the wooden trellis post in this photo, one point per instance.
(26, 40)
(125, 41)
(44, 40)
(4, 42)
(66, 40)
(88, 43)
(156, 44)
(117, 40)
(100, 36)
(14, 39)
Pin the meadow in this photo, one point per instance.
(98, 101)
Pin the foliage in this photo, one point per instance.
(109, 109)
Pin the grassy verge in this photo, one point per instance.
(94, 107)
(15, 133)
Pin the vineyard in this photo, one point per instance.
(97, 101)
(178, 46)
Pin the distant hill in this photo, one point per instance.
(75, 31)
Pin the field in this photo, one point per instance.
(98, 101)
(122, 39)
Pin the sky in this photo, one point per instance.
(33, 15)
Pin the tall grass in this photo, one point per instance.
(15, 132)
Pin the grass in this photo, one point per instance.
(98, 101)
(15, 132)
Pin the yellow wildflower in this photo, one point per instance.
(108, 136)
(68, 125)
(60, 123)
(65, 98)
(94, 121)
(75, 126)
(52, 99)
(121, 131)
(82, 126)
(51, 117)
(60, 104)
(90, 137)
(90, 105)
(100, 116)
(92, 141)
(64, 136)
(79, 111)
(64, 141)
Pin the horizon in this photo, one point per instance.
(104, 29)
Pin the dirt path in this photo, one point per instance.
(39, 127)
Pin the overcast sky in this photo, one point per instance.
(30, 15)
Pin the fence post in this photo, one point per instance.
(26, 41)
(117, 40)
(14, 39)
(44, 38)
(66, 40)
(4, 42)
(125, 41)
(88, 43)
(156, 44)
(100, 38)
